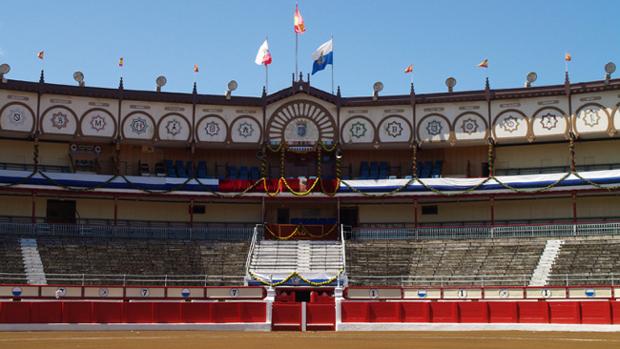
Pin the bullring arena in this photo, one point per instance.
(304, 218)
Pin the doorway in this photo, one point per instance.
(61, 211)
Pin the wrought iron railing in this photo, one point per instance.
(486, 231)
(126, 279)
(202, 232)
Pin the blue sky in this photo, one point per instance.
(373, 40)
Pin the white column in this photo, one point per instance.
(304, 321)
(271, 296)
(338, 300)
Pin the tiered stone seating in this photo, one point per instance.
(11, 260)
(141, 258)
(596, 258)
(437, 261)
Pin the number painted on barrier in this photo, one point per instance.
(104, 292)
(234, 292)
(546, 293)
(373, 293)
(462, 293)
(145, 292)
(185, 293)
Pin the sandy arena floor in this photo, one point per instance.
(297, 340)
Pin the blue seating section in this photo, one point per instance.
(374, 170)
(427, 169)
(242, 173)
(182, 169)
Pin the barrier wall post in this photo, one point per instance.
(269, 299)
(338, 304)
(304, 317)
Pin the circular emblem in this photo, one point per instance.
(97, 123)
(510, 124)
(60, 120)
(16, 117)
(462, 293)
(212, 128)
(503, 293)
(590, 292)
(549, 121)
(469, 126)
(545, 293)
(422, 293)
(185, 293)
(373, 293)
(245, 129)
(173, 127)
(394, 129)
(434, 128)
(138, 125)
(61, 291)
(234, 292)
(358, 129)
(104, 292)
(145, 292)
(16, 291)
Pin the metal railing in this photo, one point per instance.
(127, 279)
(248, 260)
(486, 231)
(482, 280)
(203, 232)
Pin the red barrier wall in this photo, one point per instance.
(45, 312)
(444, 312)
(195, 312)
(416, 311)
(77, 312)
(108, 312)
(596, 312)
(252, 312)
(320, 316)
(286, 316)
(473, 312)
(384, 311)
(533, 312)
(564, 313)
(354, 311)
(15, 312)
(503, 312)
(139, 312)
(167, 312)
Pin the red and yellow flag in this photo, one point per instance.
(121, 62)
(195, 68)
(41, 54)
(484, 63)
(298, 21)
(568, 57)
(409, 69)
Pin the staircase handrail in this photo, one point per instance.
(344, 256)
(248, 260)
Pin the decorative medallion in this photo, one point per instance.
(60, 120)
(302, 128)
(212, 128)
(469, 126)
(510, 124)
(394, 129)
(246, 130)
(591, 117)
(16, 117)
(549, 121)
(434, 128)
(358, 129)
(138, 125)
(97, 123)
(173, 127)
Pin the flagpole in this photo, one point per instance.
(296, 51)
(266, 78)
(332, 38)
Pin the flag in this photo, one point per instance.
(484, 63)
(409, 69)
(41, 54)
(195, 68)
(121, 62)
(298, 21)
(568, 57)
(263, 57)
(323, 56)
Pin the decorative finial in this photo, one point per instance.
(411, 89)
(264, 91)
(487, 86)
(42, 77)
(195, 89)
(566, 78)
(338, 92)
(301, 76)
(120, 84)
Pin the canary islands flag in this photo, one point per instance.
(323, 56)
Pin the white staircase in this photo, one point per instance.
(33, 266)
(546, 262)
(276, 259)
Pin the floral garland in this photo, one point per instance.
(292, 275)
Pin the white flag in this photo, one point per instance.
(263, 57)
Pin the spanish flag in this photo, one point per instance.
(195, 68)
(568, 57)
(298, 21)
(41, 54)
(121, 62)
(409, 69)
(484, 63)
